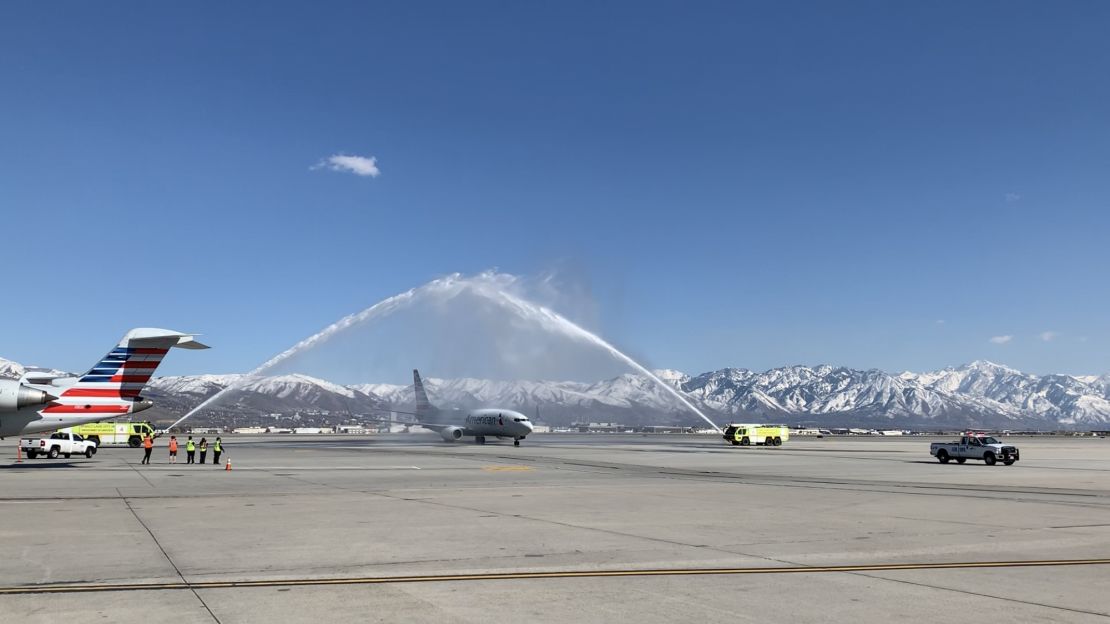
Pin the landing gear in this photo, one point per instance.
(516, 441)
(480, 439)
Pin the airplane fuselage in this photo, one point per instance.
(41, 419)
(495, 422)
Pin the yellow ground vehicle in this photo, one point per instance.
(108, 433)
(767, 435)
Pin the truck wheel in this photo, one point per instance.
(989, 459)
(52, 453)
(32, 454)
(134, 441)
(960, 460)
(735, 443)
(745, 442)
(66, 455)
(89, 452)
(778, 441)
(942, 456)
(1008, 462)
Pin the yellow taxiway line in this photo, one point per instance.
(554, 574)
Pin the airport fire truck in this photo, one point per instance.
(746, 435)
(111, 433)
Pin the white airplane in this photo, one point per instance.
(40, 402)
(454, 424)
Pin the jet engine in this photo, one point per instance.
(15, 396)
(451, 433)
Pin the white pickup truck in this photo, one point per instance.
(986, 448)
(61, 443)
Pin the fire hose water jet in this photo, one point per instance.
(492, 287)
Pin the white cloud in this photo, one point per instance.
(1013, 197)
(1049, 336)
(1002, 339)
(940, 321)
(365, 166)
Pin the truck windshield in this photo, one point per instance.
(990, 441)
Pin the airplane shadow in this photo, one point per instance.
(970, 462)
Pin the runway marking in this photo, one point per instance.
(554, 574)
(507, 468)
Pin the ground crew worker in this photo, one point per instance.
(173, 449)
(217, 448)
(203, 449)
(190, 451)
(148, 446)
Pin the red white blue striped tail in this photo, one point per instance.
(113, 384)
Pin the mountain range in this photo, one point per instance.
(979, 394)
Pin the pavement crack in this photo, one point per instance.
(165, 554)
(1008, 599)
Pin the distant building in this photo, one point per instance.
(805, 432)
(355, 429)
(249, 430)
(600, 427)
(664, 429)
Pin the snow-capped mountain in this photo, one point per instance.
(10, 369)
(1064, 399)
(977, 394)
(15, 370)
(262, 394)
(624, 392)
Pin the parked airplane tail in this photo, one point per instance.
(423, 405)
(125, 370)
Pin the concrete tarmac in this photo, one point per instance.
(584, 528)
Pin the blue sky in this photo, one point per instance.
(752, 184)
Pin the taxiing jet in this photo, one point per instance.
(40, 402)
(480, 423)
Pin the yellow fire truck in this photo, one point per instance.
(746, 435)
(110, 433)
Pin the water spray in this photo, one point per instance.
(454, 284)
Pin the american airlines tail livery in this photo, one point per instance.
(110, 389)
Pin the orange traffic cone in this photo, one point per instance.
(227, 466)
(18, 454)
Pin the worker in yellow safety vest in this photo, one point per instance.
(190, 451)
(217, 448)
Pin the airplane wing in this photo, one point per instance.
(433, 426)
(437, 427)
(47, 379)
